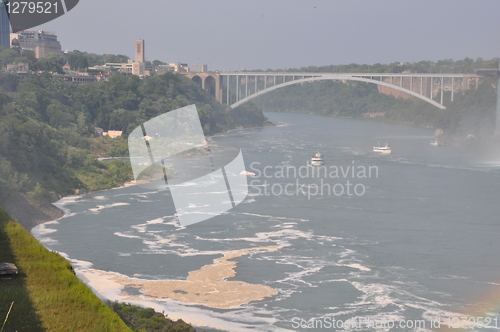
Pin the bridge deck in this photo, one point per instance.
(273, 73)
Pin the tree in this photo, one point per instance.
(52, 62)
(77, 60)
(38, 196)
(29, 54)
(8, 56)
(59, 115)
(156, 63)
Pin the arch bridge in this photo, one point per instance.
(236, 88)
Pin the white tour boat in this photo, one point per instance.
(317, 160)
(382, 149)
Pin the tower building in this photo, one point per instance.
(139, 50)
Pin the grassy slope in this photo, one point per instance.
(47, 295)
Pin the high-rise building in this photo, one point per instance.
(41, 42)
(139, 50)
(4, 26)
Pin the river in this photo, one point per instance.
(410, 239)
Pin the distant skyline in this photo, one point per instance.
(278, 34)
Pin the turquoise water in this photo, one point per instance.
(415, 239)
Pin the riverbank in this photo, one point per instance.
(28, 214)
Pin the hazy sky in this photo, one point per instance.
(262, 34)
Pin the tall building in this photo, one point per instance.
(4, 26)
(41, 42)
(139, 50)
(198, 68)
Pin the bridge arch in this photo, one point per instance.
(210, 85)
(197, 79)
(336, 77)
(209, 81)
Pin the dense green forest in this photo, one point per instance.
(471, 113)
(47, 128)
(465, 66)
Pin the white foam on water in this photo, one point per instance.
(143, 194)
(103, 287)
(141, 228)
(257, 215)
(375, 295)
(298, 277)
(378, 297)
(358, 266)
(210, 192)
(107, 206)
(120, 234)
(175, 223)
(192, 206)
(41, 230)
(48, 241)
(61, 204)
(193, 252)
(347, 252)
(66, 200)
(249, 201)
(327, 238)
(155, 221)
(281, 237)
(77, 264)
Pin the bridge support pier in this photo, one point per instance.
(442, 89)
(497, 121)
(203, 76)
(432, 89)
(452, 87)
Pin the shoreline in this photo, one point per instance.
(29, 215)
